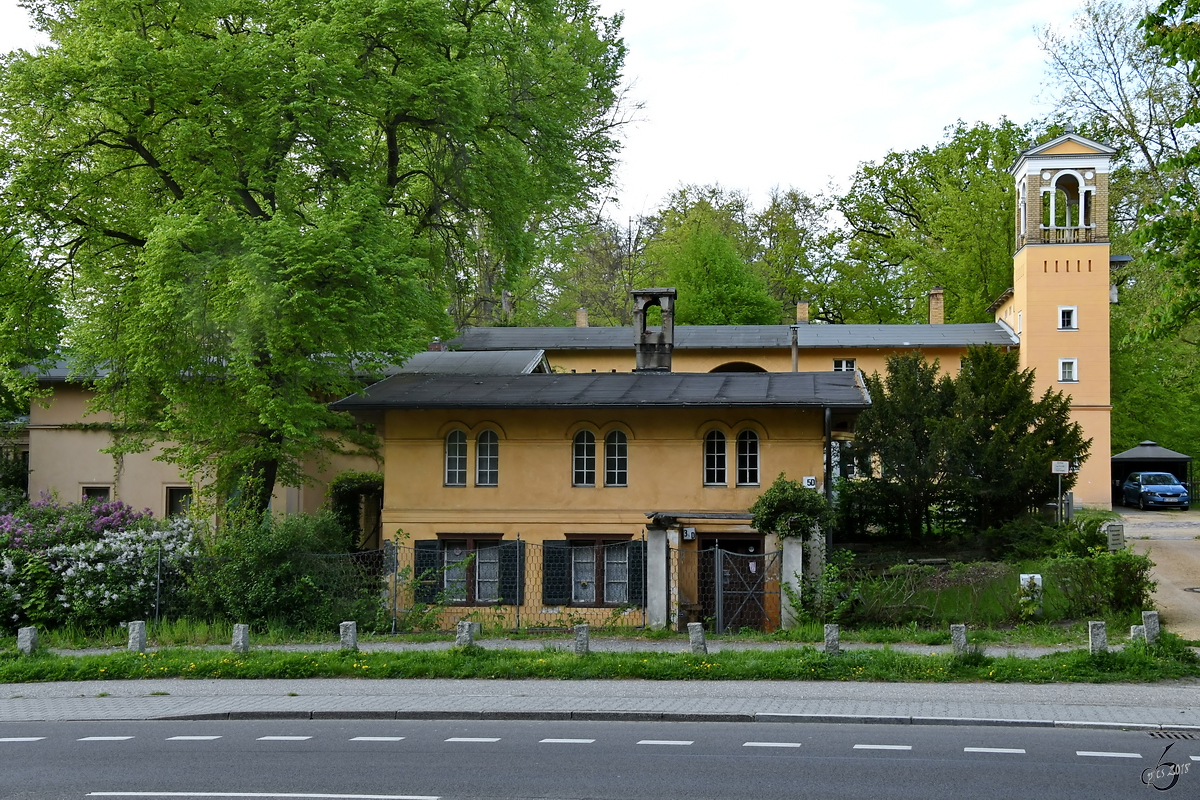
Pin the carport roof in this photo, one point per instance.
(1150, 451)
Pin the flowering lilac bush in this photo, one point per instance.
(88, 564)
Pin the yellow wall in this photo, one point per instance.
(535, 496)
(65, 457)
(867, 359)
(1046, 277)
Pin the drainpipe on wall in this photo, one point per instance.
(829, 476)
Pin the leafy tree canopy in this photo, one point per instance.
(715, 285)
(242, 205)
(940, 216)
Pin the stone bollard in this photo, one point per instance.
(696, 639)
(241, 638)
(464, 634)
(958, 638)
(1150, 622)
(833, 644)
(27, 640)
(137, 636)
(582, 642)
(1137, 633)
(1097, 637)
(349, 635)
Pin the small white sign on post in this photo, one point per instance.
(1060, 467)
(810, 482)
(1116, 536)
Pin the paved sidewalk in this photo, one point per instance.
(1173, 704)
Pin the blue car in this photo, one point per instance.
(1154, 490)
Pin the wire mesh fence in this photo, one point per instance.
(727, 591)
(428, 586)
(517, 585)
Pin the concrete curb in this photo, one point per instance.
(671, 716)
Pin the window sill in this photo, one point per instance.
(1068, 329)
(749, 485)
(1064, 380)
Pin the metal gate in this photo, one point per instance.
(727, 591)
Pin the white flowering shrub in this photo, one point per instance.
(89, 564)
(115, 577)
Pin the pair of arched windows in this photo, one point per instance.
(715, 459)
(616, 459)
(487, 459)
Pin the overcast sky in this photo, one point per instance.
(754, 94)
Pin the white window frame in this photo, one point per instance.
(1074, 312)
(583, 459)
(843, 365)
(487, 458)
(616, 458)
(455, 462)
(1073, 364)
(716, 460)
(747, 457)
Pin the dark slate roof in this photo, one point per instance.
(1150, 451)
(60, 371)
(493, 362)
(732, 337)
(615, 390)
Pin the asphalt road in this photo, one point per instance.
(506, 759)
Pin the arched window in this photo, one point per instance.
(616, 459)
(747, 458)
(584, 470)
(456, 459)
(487, 459)
(714, 459)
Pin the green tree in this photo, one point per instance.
(715, 285)
(1004, 438)
(905, 439)
(940, 216)
(1169, 232)
(255, 201)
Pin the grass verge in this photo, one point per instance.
(1136, 663)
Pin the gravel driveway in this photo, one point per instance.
(1170, 537)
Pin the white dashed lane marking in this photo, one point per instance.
(1018, 750)
(567, 741)
(474, 739)
(771, 744)
(22, 739)
(664, 741)
(1102, 754)
(192, 738)
(283, 738)
(377, 739)
(104, 739)
(883, 747)
(269, 794)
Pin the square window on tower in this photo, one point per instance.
(1068, 318)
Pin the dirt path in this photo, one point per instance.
(1170, 537)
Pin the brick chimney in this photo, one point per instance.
(437, 346)
(581, 320)
(653, 348)
(802, 312)
(937, 306)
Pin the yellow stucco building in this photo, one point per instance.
(575, 465)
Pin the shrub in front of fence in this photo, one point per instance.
(89, 565)
(283, 571)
